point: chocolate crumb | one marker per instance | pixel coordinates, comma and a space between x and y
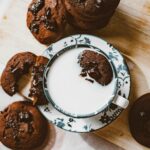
83, 73
90, 80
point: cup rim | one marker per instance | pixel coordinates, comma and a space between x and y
75, 115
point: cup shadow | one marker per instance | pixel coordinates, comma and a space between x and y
118, 130
139, 84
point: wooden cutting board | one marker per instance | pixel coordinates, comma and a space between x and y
129, 31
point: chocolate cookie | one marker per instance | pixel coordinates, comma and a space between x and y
17, 66
22, 126
92, 7
139, 120
87, 25
96, 66
36, 90
90, 12
46, 20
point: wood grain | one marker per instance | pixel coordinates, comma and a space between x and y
129, 31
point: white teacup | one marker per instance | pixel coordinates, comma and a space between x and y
71, 94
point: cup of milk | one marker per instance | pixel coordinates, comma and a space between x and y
72, 95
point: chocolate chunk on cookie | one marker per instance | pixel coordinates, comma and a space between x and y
46, 20
139, 120
22, 126
96, 66
36, 90
36, 6
17, 66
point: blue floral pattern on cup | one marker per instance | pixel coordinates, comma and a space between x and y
112, 111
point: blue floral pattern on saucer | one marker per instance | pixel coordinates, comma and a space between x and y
112, 111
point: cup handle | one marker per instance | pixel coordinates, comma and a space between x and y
121, 101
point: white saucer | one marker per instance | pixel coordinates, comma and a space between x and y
110, 113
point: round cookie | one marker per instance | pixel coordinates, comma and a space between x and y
90, 10
90, 14
18, 65
96, 66
46, 20
36, 90
139, 120
93, 7
22, 126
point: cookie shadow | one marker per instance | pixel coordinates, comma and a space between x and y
98, 143
50, 139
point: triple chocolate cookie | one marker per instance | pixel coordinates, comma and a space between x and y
90, 14
95, 66
36, 90
139, 120
22, 126
46, 20
17, 66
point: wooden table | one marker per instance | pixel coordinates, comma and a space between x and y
129, 31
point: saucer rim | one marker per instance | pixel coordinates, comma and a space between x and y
119, 110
